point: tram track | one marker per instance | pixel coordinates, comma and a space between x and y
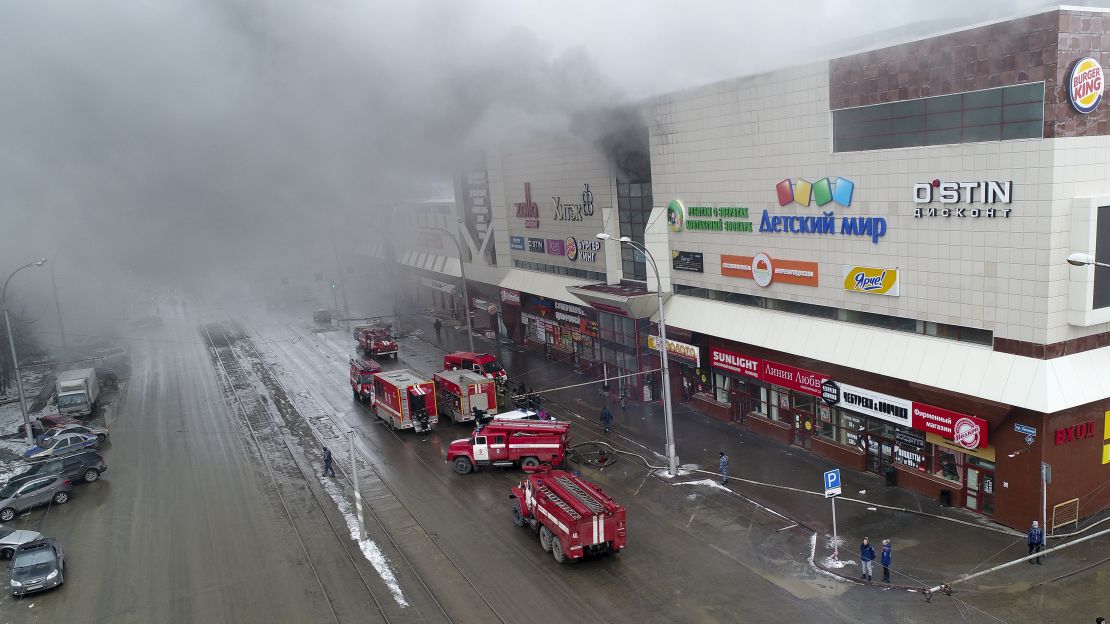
265, 433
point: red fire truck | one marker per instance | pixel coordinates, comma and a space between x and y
362, 377
460, 392
574, 517
376, 342
482, 363
404, 400
508, 443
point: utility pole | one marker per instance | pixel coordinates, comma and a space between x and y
358, 492
15, 358
58, 309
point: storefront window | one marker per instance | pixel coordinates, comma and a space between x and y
723, 384
948, 464
910, 449
780, 400
825, 422
759, 399
851, 430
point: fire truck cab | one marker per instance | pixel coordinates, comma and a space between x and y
509, 443
404, 400
460, 392
482, 363
573, 517
376, 342
362, 378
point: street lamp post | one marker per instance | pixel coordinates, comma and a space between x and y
1083, 259
58, 309
466, 293
11, 343
672, 461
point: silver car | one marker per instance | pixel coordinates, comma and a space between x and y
11, 539
29, 494
101, 433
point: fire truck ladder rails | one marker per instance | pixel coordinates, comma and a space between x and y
560, 502
581, 494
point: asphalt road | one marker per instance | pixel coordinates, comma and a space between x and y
191, 524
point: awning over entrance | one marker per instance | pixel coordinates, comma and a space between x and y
628, 299
482, 304
438, 285
542, 284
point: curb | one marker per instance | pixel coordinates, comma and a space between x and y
863, 583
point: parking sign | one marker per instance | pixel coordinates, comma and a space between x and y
832, 483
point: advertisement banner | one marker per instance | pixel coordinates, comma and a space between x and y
874, 404
510, 297
687, 261
871, 280
678, 350
734, 362
763, 270
970, 432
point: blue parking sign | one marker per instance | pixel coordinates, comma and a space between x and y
832, 483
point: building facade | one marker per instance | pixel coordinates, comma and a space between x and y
867, 259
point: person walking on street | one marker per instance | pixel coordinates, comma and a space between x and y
328, 470
884, 558
724, 468
866, 556
606, 419
1036, 540
439, 328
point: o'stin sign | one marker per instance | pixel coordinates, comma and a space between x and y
1086, 84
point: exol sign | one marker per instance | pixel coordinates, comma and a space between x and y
574, 212
1086, 84
988, 192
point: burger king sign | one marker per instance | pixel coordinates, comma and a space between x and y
1086, 84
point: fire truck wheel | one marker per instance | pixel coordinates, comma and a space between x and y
463, 465
545, 538
557, 550
518, 513
529, 462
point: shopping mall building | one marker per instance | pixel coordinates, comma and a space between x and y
864, 257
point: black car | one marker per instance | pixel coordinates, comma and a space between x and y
36, 566
85, 466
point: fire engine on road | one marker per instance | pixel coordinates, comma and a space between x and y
404, 400
362, 377
508, 443
376, 342
574, 517
482, 363
460, 392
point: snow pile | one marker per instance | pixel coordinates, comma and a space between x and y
369, 549
706, 482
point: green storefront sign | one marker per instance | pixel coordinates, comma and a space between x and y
718, 219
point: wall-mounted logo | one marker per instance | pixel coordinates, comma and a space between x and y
985, 192
763, 270
675, 217
555, 247
528, 209
871, 280
585, 250
1086, 83
692, 261
565, 211
537, 245
516, 242
820, 192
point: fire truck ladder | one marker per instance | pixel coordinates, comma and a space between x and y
560, 502
581, 495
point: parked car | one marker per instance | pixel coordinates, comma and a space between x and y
101, 433
86, 466
63, 444
322, 316
46, 423
36, 566
30, 494
11, 539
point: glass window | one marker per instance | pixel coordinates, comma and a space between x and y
947, 464
722, 383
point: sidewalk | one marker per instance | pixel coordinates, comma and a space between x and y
932, 544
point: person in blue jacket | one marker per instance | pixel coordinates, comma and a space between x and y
884, 558
724, 468
866, 556
1036, 540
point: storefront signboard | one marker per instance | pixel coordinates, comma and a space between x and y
1086, 82
556, 247
820, 193
569, 211
537, 245
678, 350
874, 404
871, 280
516, 242
708, 218
692, 261
763, 270
510, 297
486, 306
968, 432
582, 249
981, 197
1075, 432
783, 375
